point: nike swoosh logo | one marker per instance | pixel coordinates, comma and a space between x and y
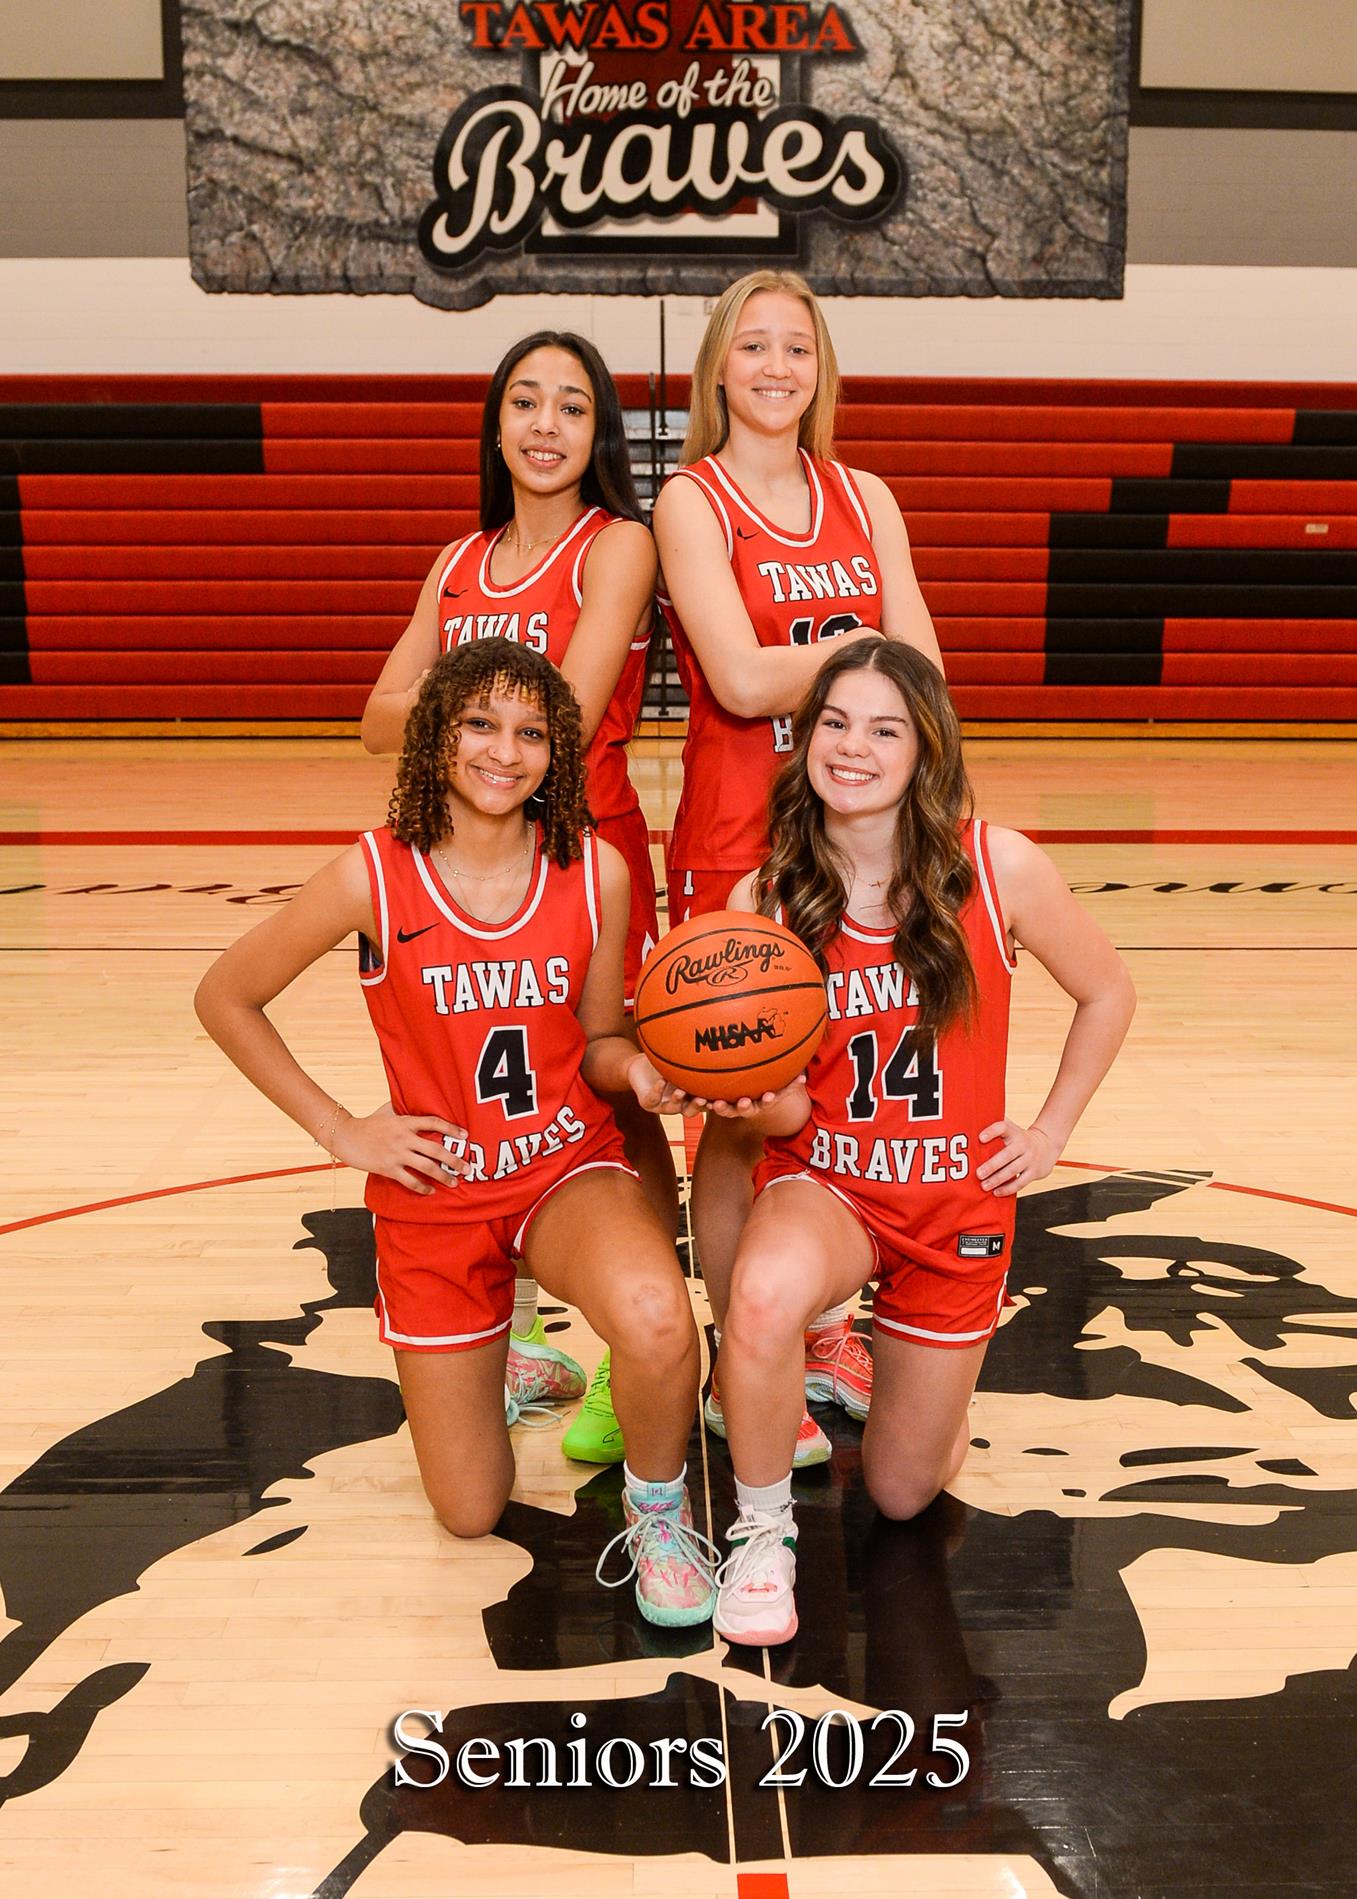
453, 593
408, 936
745, 534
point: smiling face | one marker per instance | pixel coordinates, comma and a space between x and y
503, 752
546, 422
864, 746
770, 371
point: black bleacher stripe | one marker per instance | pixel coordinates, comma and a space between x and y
1133, 495
1115, 599
1325, 425
10, 500
1263, 461
1108, 530
12, 602
13, 634
1104, 636
132, 421
1104, 669
11, 528
132, 458
1208, 566
14, 668
11, 563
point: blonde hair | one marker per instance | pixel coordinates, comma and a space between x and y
708, 419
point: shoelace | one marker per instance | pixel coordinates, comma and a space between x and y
850, 1346
680, 1539
766, 1535
599, 1395
536, 1417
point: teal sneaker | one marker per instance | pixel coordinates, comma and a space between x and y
673, 1563
594, 1435
540, 1373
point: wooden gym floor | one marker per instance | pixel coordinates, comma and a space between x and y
221, 1583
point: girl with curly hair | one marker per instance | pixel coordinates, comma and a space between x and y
491, 923
897, 1160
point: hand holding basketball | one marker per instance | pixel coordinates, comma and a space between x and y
730, 1008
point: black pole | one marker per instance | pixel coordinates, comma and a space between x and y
654, 444
664, 382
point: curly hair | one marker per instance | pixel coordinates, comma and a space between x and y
933, 876
418, 812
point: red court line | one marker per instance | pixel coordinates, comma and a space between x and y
690, 1145
163, 1193
1221, 1186
762, 1886
1064, 836
655, 836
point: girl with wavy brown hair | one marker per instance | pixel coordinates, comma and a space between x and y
897, 1160
491, 924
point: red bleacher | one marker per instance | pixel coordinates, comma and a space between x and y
249, 548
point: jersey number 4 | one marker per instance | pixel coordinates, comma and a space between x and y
911, 1074
503, 1073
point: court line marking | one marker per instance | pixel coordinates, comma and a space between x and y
1041, 834
322, 1167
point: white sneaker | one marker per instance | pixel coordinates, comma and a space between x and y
756, 1604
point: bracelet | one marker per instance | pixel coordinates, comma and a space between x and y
326, 1138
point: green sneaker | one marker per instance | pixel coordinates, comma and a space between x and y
594, 1435
539, 1372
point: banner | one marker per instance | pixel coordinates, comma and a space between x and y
458, 151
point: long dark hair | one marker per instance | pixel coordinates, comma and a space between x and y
932, 877
608, 479
418, 812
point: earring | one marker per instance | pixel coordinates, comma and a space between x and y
497, 444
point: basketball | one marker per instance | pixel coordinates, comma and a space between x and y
730, 1004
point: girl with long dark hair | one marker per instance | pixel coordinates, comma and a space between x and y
491, 924
564, 564
897, 1160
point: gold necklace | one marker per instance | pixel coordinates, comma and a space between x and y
526, 547
479, 877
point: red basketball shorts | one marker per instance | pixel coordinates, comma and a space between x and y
695, 893
630, 834
444, 1287
921, 1297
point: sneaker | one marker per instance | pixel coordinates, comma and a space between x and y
839, 1369
812, 1446
756, 1605
674, 1564
535, 1417
538, 1373
594, 1435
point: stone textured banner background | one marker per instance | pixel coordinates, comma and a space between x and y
312, 126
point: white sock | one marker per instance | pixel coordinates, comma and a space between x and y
770, 1500
525, 1307
643, 1490
833, 1316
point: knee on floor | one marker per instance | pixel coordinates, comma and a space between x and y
469, 1516
902, 1493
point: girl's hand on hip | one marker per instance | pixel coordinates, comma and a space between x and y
1027, 1154
417, 1150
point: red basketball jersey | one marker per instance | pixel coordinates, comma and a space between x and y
541, 611
477, 1026
895, 1124
796, 588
